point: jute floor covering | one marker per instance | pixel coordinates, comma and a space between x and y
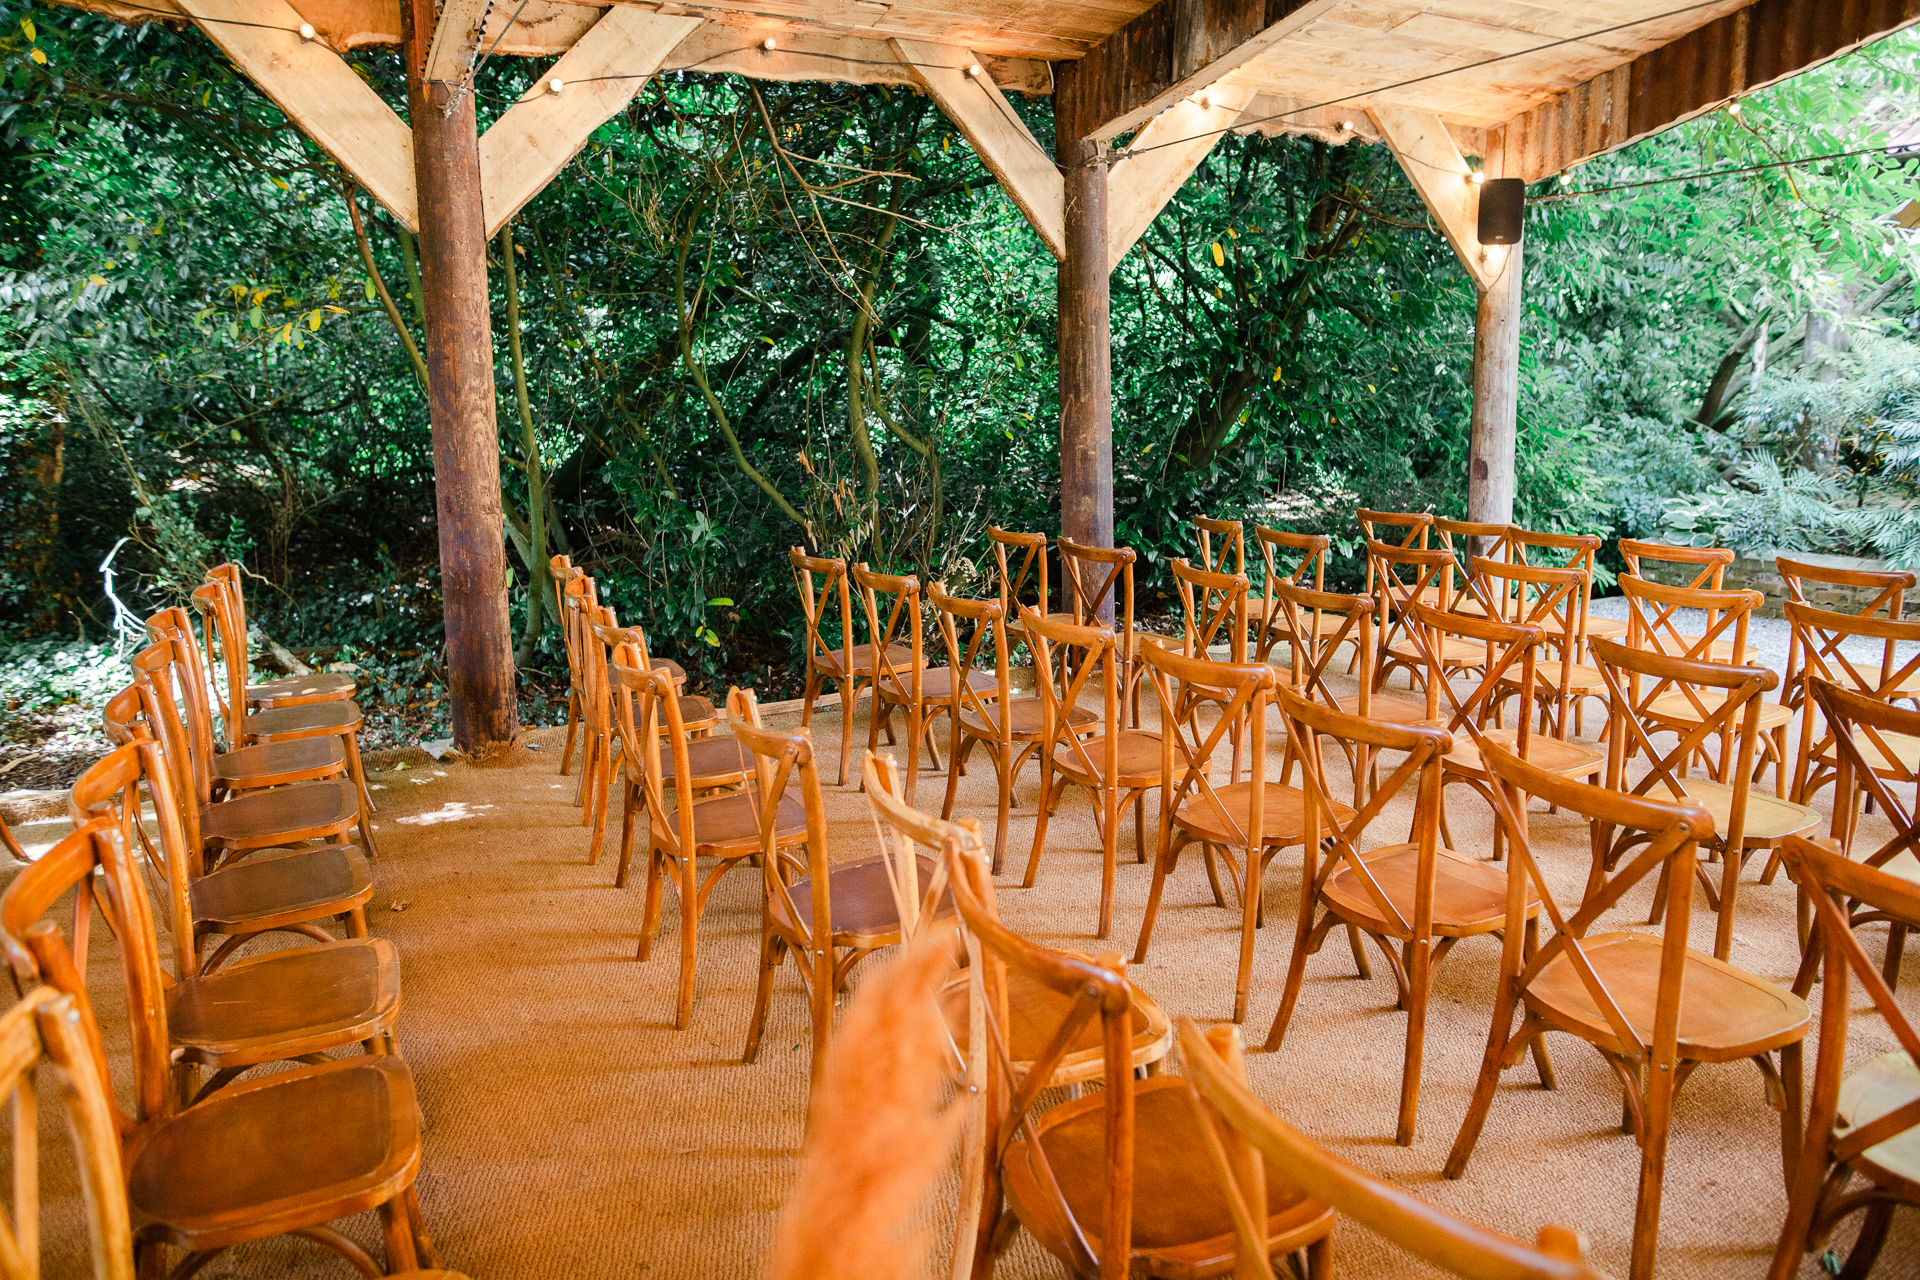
573, 1132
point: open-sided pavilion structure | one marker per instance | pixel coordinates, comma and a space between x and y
1142, 90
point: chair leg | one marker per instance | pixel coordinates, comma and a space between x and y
1163, 861
573, 725
689, 928
1249, 913
1040, 825
399, 1235
366, 797
916, 729
1732, 859
1109, 856
429, 1253
650, 914
1419, 972
631, 802
589, 753
1003, 776
603, 800
849, 697
1498, 1038
1658, 1102
771, 948
1896, 945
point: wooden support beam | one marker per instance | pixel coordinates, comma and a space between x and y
999, 136
456, 40
528, 146
1746, 50
1171, 52
805, 56
1085, 342
1146, 175
466, 441
320, 93
1441, 175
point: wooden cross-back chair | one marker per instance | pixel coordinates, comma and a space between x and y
1009, 730
1567, 551
1400, 577
242, 824
1117, 766
1864, 1124
1555, 600
1244, 824
1654, 613
1223, 544
1304, 613
1213, 613
1653, 1008
1412, 894
1708, 565
1727, 703
826, 599
1024, 582
1299, 559
1099, 584
923, 693
286, 691
44, 1030
829, 915
276, 722
1873, 746
283, 890
607, 736
1888, 590
718, 760
277, 1007
1825, 654
1109, 1183
1214, 1070
563, 574
579, 601
321, 1142
1464, 540
680, 829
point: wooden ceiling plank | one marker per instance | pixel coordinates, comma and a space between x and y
320, 93
998, 135
528, 146
1440, 174
1147, 174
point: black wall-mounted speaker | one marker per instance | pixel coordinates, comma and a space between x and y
1503, 210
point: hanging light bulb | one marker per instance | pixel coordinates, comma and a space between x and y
306, 31
1566, 179
1733, 108
976, 71
556, 84
768, 44
1476, 177
1206, 101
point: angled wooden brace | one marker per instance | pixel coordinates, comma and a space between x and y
320, 93
1443, 178
1148, 173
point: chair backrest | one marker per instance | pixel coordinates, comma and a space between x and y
1654, 617
1314, 640
1465, 539
1507, 644
1087, 989
903, 831
1213, 610
822, 583
1662, 838
901, 627
1399, 575
158, 673
1243, 692
1214, 1066
1823, 635
1888, 599
1021, 558
1867, 737
1555, 600
1558, 551
1100, 580
1223, 544
95, 855
1090, 660
658, 726
987, 632
224, 630
46, 1029
1340, 842
1636, 679
564, 576
1840, 887
1709, 563
193, 679
1295, 557
1416, 524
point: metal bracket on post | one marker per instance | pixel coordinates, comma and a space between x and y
454, 55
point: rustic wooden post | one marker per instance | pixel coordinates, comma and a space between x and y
1496, 394
466, 443
1085, 335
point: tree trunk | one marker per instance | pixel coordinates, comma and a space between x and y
466, 444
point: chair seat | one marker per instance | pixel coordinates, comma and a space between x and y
1469, 897
729, 825
1607, 628
1139, 759
1904, 749
1454, 652
673, 669
1573, 758
1722, 650
1678, 708
1884, 1084
1024, 717
936, 686
272, 763
285, 1003
1384, 704
1224, 816
315, 1139
696, 712
1065, 619
714, 760
900, 655
1035, 1012
864, 912
284, 815
1181, 1224
1903, 865
1329, 621
1726, 1013
307, 720
1553, 672
289, 691
252, 895
1768, 817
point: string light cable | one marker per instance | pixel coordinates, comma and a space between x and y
1898, 153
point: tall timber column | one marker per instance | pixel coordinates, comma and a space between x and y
466, 443
1086, 332
1496, 394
